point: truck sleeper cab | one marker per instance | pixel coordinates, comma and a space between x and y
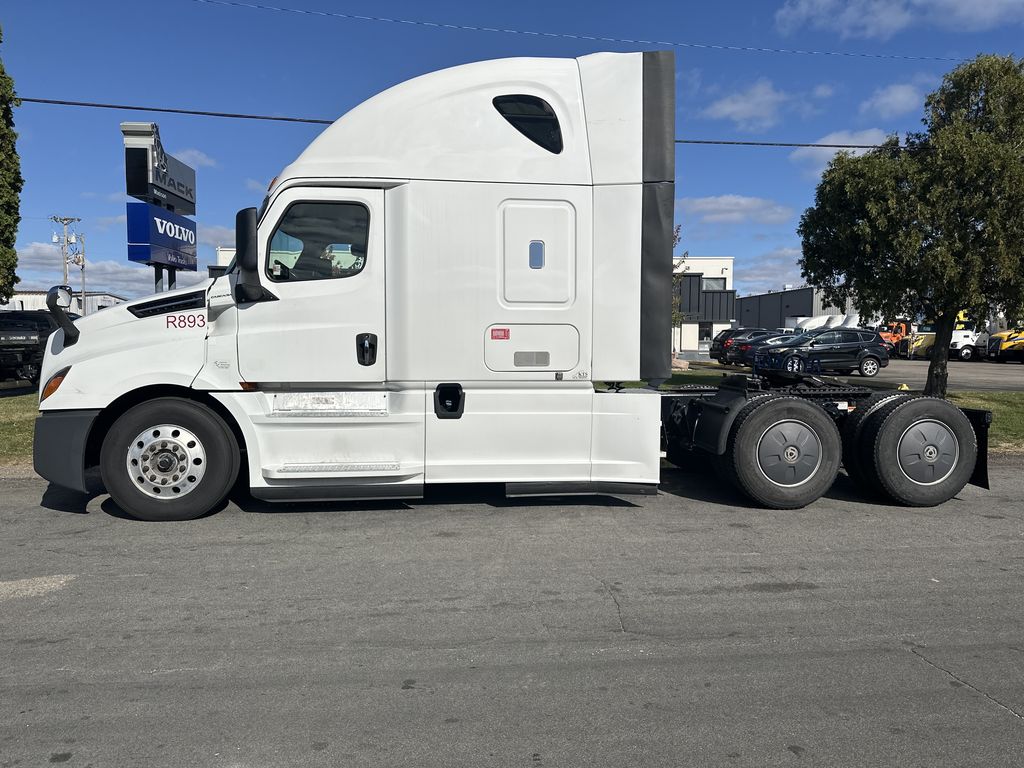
432, 293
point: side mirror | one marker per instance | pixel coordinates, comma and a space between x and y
58, 296
58, 299
245, 239
248, 288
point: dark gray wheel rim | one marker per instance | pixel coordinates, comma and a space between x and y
928, 452
869, 367
789, 453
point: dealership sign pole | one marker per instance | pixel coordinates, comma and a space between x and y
158, 232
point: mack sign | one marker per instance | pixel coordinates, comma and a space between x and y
157, 236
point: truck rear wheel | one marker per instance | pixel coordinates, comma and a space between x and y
854, 458
169, 459
923, 450
783, 452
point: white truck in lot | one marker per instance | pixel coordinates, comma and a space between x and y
434, 292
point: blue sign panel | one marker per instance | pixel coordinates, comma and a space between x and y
157, 236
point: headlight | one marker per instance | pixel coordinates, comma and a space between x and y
54, 382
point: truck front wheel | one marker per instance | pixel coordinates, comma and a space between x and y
783, 452
169, 459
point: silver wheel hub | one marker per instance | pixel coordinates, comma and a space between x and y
789, 453
166, 461
928, 452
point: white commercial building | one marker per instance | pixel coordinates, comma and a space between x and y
94, 301
706, 301
224, 255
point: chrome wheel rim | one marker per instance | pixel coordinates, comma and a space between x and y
870, 367
789, 453
166, 462
927, 452
794, 365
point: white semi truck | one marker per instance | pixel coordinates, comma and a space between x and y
446, 287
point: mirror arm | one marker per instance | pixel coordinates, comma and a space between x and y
71, 333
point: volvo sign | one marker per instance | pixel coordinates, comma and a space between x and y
154, 176
160, 238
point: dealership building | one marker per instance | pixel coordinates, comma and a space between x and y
781, 309
706, 299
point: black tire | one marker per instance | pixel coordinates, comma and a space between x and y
808, 445
966, 353
869, 367
922, 450
209, 469
854, 455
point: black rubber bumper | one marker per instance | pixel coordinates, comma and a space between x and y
58, 451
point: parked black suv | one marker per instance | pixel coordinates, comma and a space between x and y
842, 350
23, 335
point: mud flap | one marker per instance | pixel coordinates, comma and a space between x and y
980, 421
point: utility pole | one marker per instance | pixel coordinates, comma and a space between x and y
78, 257
64, 220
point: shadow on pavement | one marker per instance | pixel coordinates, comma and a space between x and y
694, 482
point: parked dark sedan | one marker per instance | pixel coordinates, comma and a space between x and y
839, 350
772, 340
725, 340
742, 343
717, 349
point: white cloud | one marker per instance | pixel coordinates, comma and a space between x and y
893, 100
814, 159
881, 19
754, 109
39, 268
823, 91
39, 256
256, 186
106, 222
195, 157
768, 272
972, 15
215, 235
734, 209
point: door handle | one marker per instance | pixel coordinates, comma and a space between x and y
366, 348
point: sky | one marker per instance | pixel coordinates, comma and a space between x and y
743, 202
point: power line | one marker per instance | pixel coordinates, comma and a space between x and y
317, 121
569, 36
136, 108
776, 144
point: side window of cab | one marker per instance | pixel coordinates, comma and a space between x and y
319, 241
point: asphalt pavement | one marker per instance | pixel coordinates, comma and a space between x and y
971, 376
683, 629
963, 377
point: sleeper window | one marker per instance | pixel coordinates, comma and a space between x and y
319, 241
534, 118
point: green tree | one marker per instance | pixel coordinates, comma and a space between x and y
677, 281
10, 185
936, 226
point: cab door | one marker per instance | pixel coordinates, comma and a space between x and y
321, 257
